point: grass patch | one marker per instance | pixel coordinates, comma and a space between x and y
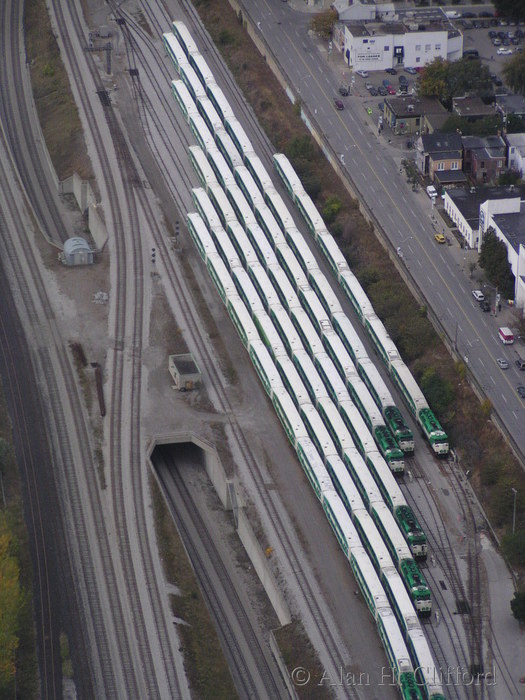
297, 652
16, 612
476, 439
204, 661
57, 111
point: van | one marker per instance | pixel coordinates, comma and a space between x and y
506, 336
452, 14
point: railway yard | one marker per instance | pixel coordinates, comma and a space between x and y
371, 531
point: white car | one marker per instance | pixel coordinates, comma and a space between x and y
504, 51
502, 363
478, 295
432, 192
362, 73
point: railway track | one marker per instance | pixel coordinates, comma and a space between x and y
18, 124
218, 388
252, 677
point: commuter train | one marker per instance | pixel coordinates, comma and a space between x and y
377, 332
244, 309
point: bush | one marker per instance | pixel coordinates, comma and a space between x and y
513, 547
517, 605
438, 391
331, 209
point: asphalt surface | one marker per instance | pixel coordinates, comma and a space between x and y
373, 164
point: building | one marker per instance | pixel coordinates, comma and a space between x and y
471, 108
76, 252
510, 228
439, 153
511, 104
413, 38
471, 209
404, 114
515, 152
484, 157
185, 372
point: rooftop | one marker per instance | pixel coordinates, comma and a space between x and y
469, 202
513, 227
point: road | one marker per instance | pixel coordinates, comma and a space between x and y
373, 167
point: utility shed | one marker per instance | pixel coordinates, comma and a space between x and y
76, 252
184, 371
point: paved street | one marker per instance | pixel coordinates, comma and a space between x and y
373, 164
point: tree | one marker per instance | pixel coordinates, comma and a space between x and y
487, 126
509, 177
494, 260
323, 23
11, 601
445, 80
433, 81
514, 73
517, 605
515, 9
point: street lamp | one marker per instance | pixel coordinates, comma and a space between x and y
514, 510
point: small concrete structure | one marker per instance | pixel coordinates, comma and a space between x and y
76, 252
184, 371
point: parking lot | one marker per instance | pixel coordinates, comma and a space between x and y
373, 86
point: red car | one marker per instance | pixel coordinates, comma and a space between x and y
391, 90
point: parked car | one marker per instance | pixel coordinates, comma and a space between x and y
403, 80
432, 192
484, 305
391, 90
368, 85
502, 363
362, 73
468, 14
382, 90
391, 71
344, 91
520, 364
411, 71
504, 51
521, 391
338, 104
478, 295
440, 238
381, 106
496, 41
373, 91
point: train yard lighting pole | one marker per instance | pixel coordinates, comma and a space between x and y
514, 491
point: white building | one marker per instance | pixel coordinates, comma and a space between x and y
414, 39
499, 208
516, 152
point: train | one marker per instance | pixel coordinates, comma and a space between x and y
262, 340
375, 329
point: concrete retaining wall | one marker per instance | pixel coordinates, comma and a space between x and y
80, 189
282, 667
223, 487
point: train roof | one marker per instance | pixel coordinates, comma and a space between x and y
357, 292
216, 157
270, 222
201, 199
345, 327
364, 476
301, 248
331, 250
244, 209
314, 420
403, 602
305, 203
302, 320
280, 207
346, 482
381, 334
291, 263
404, 374
282, 163
377, 381
425, 661
324, 289
202, 68
345, 522
392, 528
362, 562
327, 368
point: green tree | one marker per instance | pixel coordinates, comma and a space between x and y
439, 391
331, 209
509, 177
517, 605
487, 126
433, 81
494, 260
514, 9
323, 23
11, 603
513, 547
514, 73
445, 80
